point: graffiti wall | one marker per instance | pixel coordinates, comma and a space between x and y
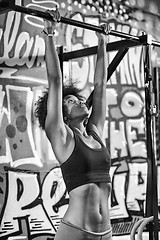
33, 196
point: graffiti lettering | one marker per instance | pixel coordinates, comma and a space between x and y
36, 208
20, 49
138, 181
118, 147
131, 104
127, 126
136, 138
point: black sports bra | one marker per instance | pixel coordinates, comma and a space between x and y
86, 165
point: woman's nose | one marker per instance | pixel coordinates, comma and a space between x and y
81, 102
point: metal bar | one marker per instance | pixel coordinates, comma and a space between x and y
3, 7
73, 22
114, 46
151, 192
115, 62
70, 21
149, 188
135, 227
156, 79
143, 225
85, 52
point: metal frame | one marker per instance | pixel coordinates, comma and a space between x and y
122, 46
151, 114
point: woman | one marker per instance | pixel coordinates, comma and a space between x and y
75, 136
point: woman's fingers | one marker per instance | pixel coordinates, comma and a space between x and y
106, 28
51, 25
55, 15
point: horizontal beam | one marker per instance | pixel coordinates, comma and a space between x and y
3, 7
113, 46
73, 22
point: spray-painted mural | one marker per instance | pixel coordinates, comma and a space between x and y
33, 196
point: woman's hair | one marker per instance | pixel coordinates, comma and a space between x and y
41, 104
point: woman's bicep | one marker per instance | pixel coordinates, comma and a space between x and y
98, 113
54, 105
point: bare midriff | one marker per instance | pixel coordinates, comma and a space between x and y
88, 207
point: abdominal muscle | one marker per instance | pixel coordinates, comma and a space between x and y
88, 207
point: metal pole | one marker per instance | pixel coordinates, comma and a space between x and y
151, 193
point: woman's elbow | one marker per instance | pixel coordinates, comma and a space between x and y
56, 79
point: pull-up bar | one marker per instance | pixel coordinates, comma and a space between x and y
72, 22
8, 5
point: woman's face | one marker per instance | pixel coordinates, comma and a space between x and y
76, 107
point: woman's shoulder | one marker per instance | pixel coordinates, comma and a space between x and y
92, 129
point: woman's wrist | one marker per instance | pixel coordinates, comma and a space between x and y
102, 42
49, 33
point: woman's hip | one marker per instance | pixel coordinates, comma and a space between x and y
70, 231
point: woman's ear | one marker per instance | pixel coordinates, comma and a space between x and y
65, 119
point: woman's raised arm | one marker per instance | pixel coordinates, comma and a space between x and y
54, 118
98, 114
